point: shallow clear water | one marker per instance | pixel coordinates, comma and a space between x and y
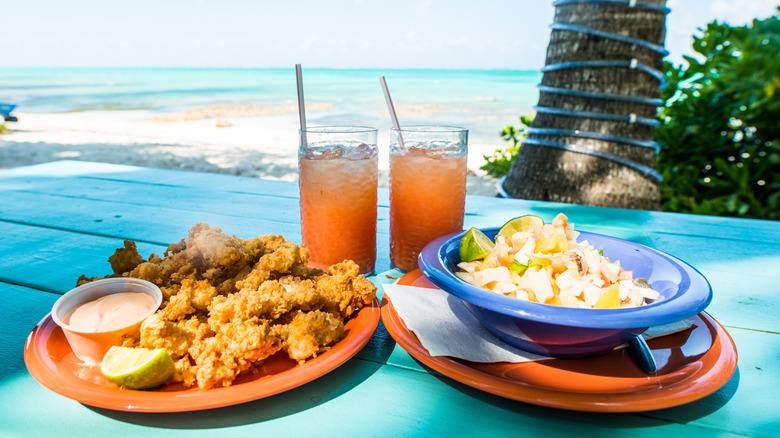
484, 101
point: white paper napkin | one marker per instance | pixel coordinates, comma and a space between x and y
446, 327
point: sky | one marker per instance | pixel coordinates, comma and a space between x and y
482, 34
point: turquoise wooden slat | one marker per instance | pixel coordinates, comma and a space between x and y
357, 399
185, 198
52, 260
748, 403
124, 219
497, 211
22, 308
118, 172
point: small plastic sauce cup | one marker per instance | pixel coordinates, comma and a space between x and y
91, 346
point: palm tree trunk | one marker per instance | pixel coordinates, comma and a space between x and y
592, 139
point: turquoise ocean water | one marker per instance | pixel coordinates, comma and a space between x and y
482, 100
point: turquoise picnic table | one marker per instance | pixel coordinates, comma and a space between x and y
62, 219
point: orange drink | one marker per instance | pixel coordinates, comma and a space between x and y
427, 188
338, 183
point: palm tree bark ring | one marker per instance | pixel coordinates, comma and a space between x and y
594, 95
613, 36
631, 118
632, 64
597, 135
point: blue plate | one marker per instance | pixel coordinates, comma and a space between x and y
567, 332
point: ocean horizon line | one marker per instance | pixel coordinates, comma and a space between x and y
279, 68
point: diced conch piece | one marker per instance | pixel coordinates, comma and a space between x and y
503, 287
649, 294
540, 285
520, 239
521, 258
521, 294
609, 271
486, 276
591, 294
465, 276
469, 266
610, 299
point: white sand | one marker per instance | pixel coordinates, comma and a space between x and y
230, 140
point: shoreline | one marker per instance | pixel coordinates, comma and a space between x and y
235, 140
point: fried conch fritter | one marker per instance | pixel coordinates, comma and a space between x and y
229, 303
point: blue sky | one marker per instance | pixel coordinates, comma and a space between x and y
509, 34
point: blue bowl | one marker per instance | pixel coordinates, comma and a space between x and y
568, 332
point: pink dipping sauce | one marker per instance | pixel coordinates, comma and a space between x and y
111, 312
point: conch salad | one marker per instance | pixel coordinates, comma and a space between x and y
546, 264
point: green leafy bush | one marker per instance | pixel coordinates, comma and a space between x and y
720, 132
498, 164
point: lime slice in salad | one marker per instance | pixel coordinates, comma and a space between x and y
137, 368
475, 245
520, 224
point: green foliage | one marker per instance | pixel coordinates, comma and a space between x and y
3, 128
720, 132
499, 163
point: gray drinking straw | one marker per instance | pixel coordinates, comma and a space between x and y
301, 110
391, 108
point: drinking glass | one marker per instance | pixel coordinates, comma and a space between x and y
427, 188
337, 167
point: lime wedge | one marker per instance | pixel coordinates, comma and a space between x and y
520, 224
475, 245
137, 368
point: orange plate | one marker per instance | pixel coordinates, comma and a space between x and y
691, 365
52, 363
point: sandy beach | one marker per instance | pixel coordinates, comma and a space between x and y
234, 140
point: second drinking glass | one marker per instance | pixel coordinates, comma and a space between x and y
337, 168
427, 188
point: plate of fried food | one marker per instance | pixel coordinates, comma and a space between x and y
241, 319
